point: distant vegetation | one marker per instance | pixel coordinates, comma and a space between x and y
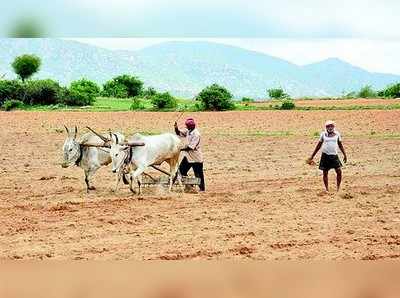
367, 92
215, 98
26, 65
163, 101
26, 92
123, 86
277, 93
391, 91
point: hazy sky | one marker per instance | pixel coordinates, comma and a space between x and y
211, 18
373, 55
363, 32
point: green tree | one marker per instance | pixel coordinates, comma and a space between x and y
114, 89
215, 98
81, 93
367, 92
123, 86
391, 91
149, 92
277, 93
10, 90
163, 101
26, 65
41, 92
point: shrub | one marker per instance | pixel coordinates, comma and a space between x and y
163, 101
149, 92
82, 93
114, 89
391, 91
137, 104
10, 90
11, 104
63, 95
215, 98
287, 104
247, 99
123, 86
277, 93
41, 92
26, 65
367, 92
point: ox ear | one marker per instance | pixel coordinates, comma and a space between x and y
66, 128
75, 132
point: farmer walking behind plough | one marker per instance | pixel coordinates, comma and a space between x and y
193, 157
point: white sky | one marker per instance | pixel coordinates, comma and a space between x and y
376, 55
210, 18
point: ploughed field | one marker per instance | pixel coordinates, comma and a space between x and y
262, 200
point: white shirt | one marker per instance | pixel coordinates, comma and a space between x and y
330, 144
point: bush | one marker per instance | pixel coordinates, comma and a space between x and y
41, 92
137, 104
11, 104
247, 99
215, 98
367, 92
149, 92
114, 89
10, 90
391, 91
287, 104
26, 65
163, 101
123, 86
63, 95
81, 93
277, 93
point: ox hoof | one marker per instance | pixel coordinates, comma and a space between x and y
91, 188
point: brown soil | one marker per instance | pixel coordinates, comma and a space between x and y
262, 200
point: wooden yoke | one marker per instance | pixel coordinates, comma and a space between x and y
134, 144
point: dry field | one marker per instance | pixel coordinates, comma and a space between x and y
262, 200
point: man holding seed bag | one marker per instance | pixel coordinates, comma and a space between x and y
330, 140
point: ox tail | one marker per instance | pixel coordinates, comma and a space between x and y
125, 179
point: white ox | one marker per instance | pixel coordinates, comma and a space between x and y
134, 159
89, 158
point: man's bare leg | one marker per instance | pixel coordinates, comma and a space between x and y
325, 178
338, 178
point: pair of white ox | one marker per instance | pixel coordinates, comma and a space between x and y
129, 159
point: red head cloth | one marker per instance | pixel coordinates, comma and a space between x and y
190, 124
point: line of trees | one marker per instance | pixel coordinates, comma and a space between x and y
27, 91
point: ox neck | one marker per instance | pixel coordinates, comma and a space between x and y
78, 161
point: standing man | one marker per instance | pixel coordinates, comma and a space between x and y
193, 157
330, 140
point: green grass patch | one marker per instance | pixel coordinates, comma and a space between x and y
105, 104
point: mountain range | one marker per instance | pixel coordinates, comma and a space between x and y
184, 68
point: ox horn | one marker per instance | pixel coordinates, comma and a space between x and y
99, 135
116, 138
76, 132
66, 128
